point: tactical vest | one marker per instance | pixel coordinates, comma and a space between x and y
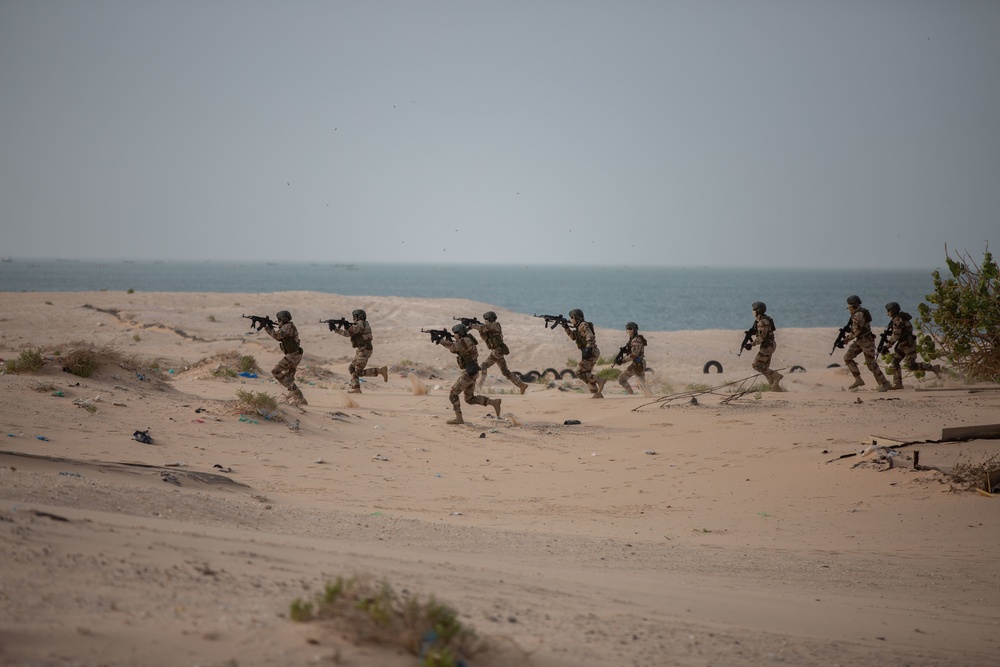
363, 339
290, 346
771, 327
467, 355
906, 334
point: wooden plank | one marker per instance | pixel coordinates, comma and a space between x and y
886, 440
984, 431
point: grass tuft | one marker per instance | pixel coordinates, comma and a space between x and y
28, 361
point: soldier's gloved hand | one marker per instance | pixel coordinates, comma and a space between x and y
748, 346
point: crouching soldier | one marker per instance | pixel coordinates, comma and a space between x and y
287, 336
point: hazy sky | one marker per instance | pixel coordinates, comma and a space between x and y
847, 133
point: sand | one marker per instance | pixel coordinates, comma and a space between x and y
752, 531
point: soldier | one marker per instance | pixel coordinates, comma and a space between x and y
765, 339
633, 352
464, 346
905, 346
287, 336
583, 333
360, 334
493, 335
862, 340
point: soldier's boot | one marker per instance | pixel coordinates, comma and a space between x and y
897, 379
521, 386
298, 398
384, 372
896, 385
600, 388
776, 377
858, 382
495, 404
354, 390
628, 390
883, 384
458, 417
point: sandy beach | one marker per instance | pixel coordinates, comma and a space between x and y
754, 530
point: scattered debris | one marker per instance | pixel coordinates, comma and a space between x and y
221, 469
571, 422
380, 457
143, 436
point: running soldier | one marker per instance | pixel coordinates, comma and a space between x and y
360, 334
582, 332
492, 333
765, 339
287, 336
862, 340
634, 352
905, 344
464, 345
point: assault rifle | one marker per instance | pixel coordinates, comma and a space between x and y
467, 321
840, 337
554, 320
258, 322
747, 339
622, 353
437, 335
882, 339
336, 324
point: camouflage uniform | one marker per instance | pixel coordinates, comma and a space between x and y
287, 336
862, 340
360, 334
905, 350
465, 348
765, 339
582, 332
637, 369
492, 334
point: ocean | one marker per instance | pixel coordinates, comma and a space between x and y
658, 299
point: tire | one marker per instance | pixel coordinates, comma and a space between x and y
710, 365
834, 366
796, 369
567, 374
530, 376
550, 371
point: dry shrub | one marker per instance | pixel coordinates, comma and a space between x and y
970, 475
83, 359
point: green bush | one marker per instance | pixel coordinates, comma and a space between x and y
427, 628
28, 361
609, 373
961, 319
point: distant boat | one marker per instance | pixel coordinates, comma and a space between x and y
6, 259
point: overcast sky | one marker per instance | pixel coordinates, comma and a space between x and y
848, 133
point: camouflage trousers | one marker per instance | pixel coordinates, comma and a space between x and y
497, 357
864, 345
284, 370
465, 386
636, 369
762, 362
357, 368
908, 354
583, 370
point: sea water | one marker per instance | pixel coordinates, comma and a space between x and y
657, 298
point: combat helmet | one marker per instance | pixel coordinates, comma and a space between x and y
759, 307
284, 316
490, 316
461, 329
576, 314
854, 300
632, 326
892, 308
359, 314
